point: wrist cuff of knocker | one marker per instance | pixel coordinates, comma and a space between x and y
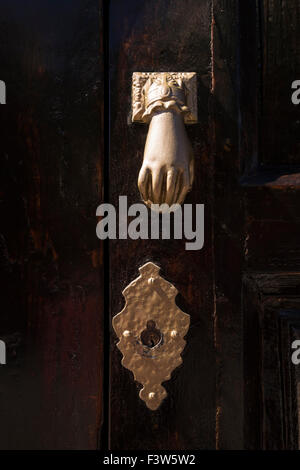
164, 106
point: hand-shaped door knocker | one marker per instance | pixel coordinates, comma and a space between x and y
166, 101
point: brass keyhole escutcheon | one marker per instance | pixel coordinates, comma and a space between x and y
151, 336
151, 330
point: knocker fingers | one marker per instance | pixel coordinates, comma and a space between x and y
143, 183
171, 180
157, 182
158, 187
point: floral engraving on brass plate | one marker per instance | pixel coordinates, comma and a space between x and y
151, 330
143, 105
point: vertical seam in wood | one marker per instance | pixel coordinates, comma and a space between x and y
213, 133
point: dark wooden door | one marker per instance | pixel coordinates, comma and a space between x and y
67, 145
51, 261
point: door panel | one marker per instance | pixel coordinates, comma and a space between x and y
280, 23
271, 307
51, 261
270, 188
141, 40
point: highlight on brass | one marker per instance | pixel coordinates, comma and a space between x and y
151, 330
166, 101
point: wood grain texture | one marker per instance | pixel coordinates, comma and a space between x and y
227, 226
280, 33
272, 320
297, 401
270, 197
162, 36
253, 226
51, 184
290, 331
235, 388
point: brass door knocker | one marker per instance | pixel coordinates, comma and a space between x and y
166, 101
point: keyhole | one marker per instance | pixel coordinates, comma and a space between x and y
151, 336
